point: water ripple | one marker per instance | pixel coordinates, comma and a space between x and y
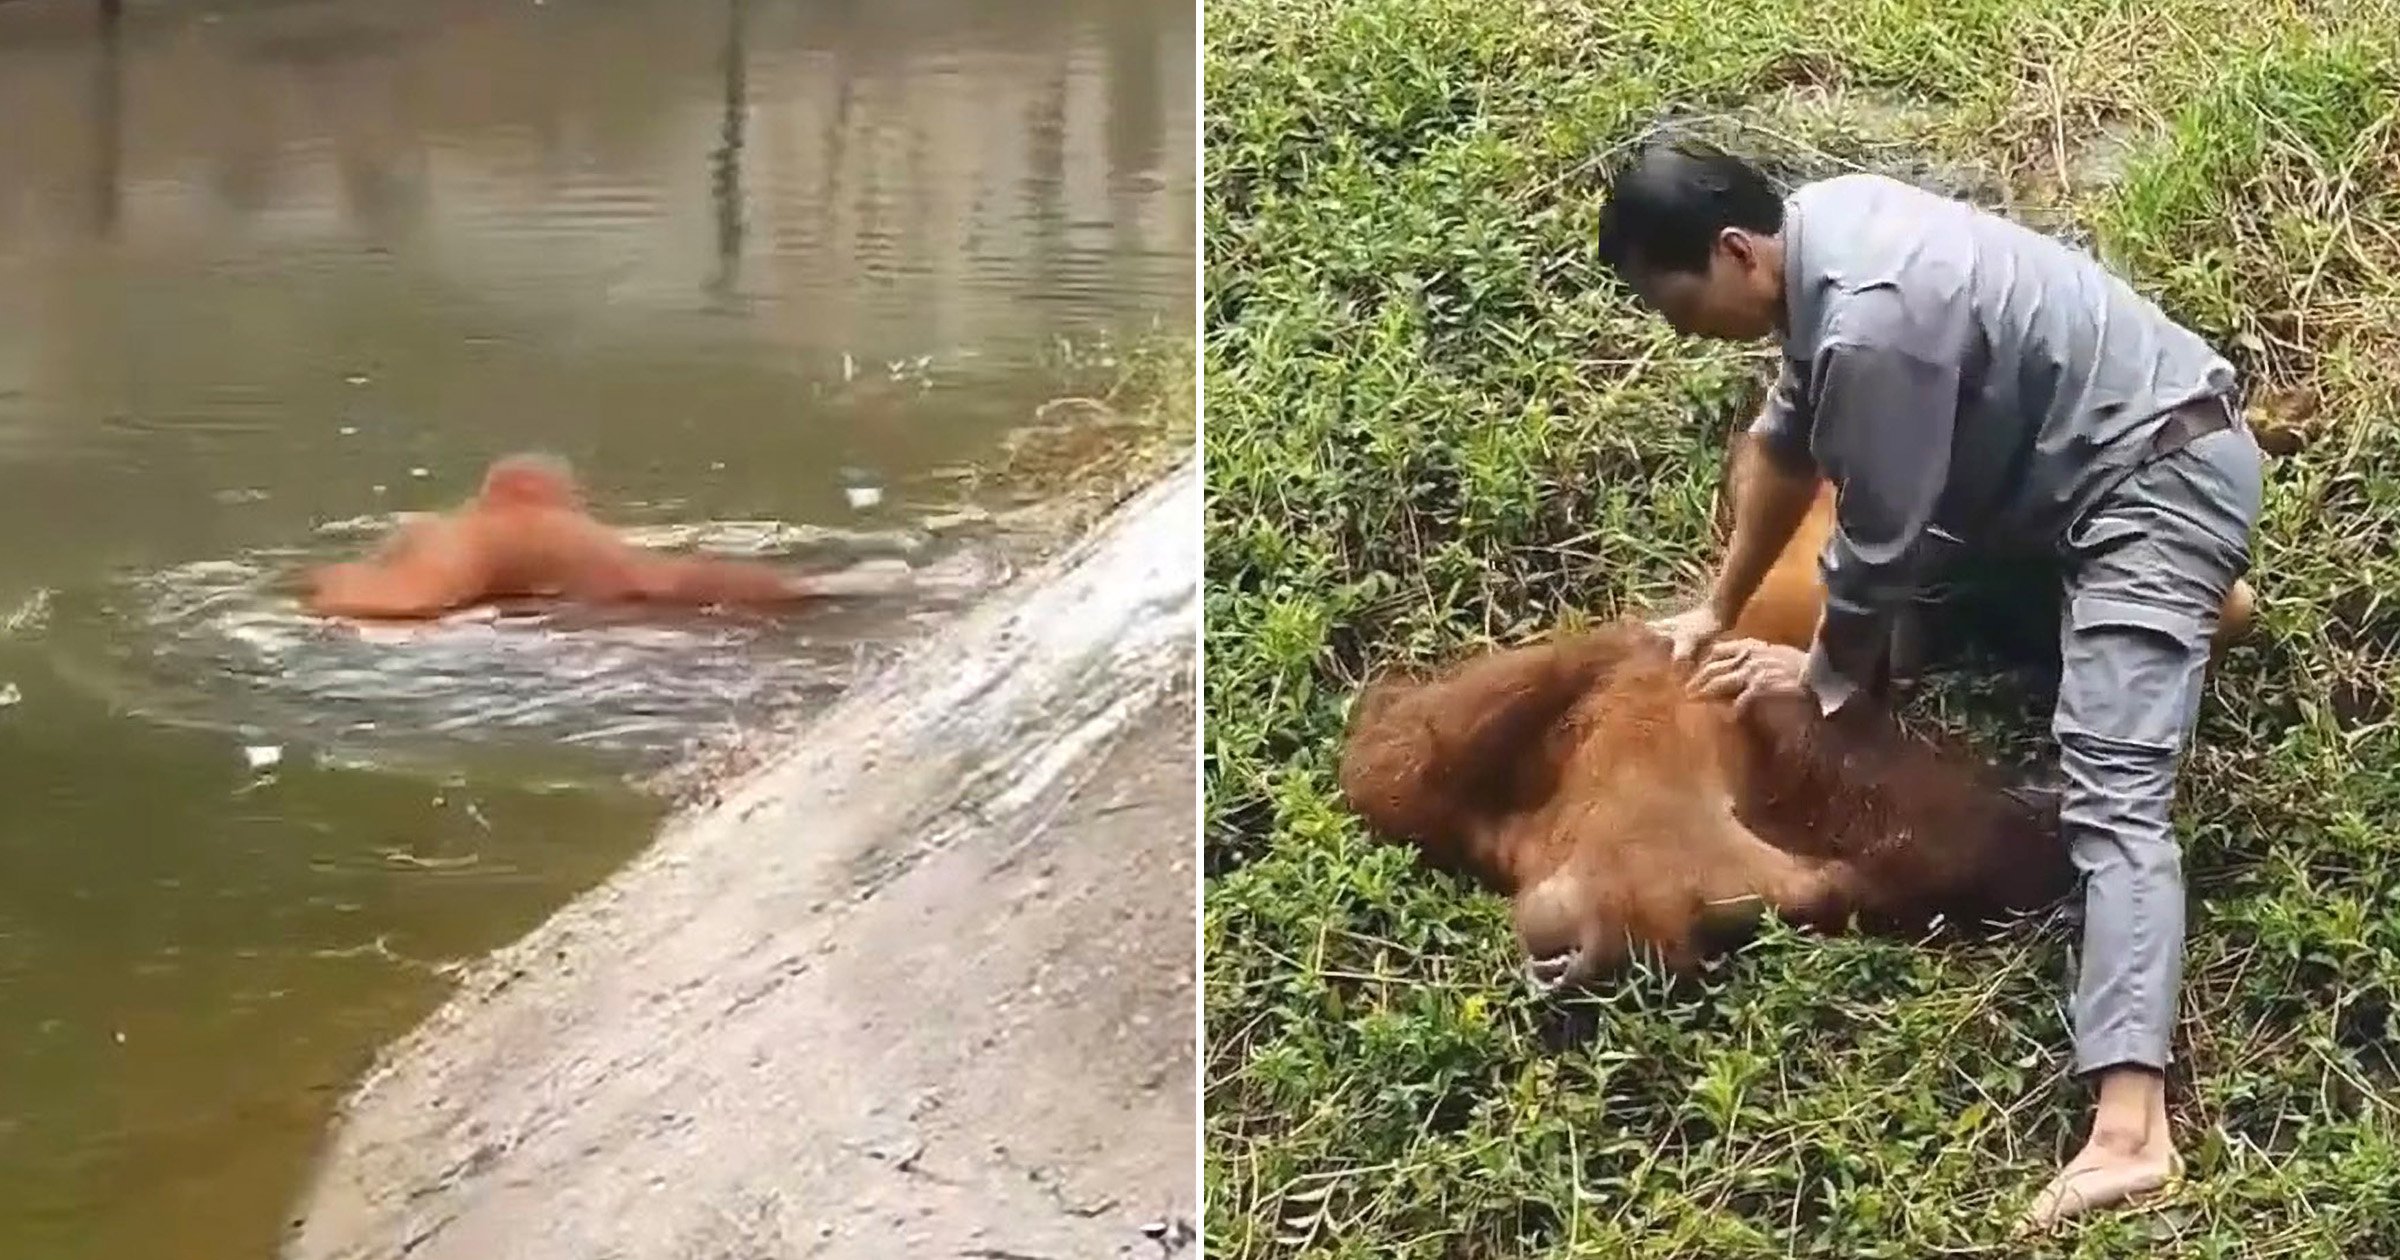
223, 644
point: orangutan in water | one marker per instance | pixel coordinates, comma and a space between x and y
526, 534
1579, 778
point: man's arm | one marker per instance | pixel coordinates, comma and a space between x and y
1774, 481
1894, 409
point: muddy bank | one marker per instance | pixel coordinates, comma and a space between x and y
922, 986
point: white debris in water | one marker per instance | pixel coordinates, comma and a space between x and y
849, 368
30, 615
863, 497
356, 378
262, 756
9, 695
357, 526
420, 472
960, 519
349, 430
218, 570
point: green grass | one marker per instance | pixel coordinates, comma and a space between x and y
1433, 423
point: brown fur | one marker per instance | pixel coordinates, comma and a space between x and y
1577, 778
526, 534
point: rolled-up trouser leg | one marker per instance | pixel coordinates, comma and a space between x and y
2147, 575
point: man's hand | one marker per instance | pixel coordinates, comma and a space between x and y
1747, 670
1690, 630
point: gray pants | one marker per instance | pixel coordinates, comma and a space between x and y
2147, 572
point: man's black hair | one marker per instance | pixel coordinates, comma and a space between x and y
1669, 200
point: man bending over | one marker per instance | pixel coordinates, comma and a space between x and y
1965, 382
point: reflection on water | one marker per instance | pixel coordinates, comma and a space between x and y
274, 269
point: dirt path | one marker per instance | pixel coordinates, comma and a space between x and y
923, 987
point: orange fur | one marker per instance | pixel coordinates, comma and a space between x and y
526, 534
1577, 778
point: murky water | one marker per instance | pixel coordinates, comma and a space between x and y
271, 272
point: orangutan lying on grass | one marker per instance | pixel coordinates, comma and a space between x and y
1579, 778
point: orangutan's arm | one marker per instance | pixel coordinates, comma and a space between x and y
700, 581
713, 580
422, 575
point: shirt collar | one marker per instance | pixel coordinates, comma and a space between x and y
1799, 298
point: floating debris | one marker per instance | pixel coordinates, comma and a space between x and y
30, 615
402, 857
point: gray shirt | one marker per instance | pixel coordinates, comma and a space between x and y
1962, 381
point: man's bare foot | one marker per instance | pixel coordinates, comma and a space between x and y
2103, 1175
2131, 1153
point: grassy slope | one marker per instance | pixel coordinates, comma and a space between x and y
1430, 423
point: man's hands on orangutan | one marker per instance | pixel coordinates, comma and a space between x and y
1691, 629
1748, 670
1742, 670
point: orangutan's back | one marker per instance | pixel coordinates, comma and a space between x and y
1579, 777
